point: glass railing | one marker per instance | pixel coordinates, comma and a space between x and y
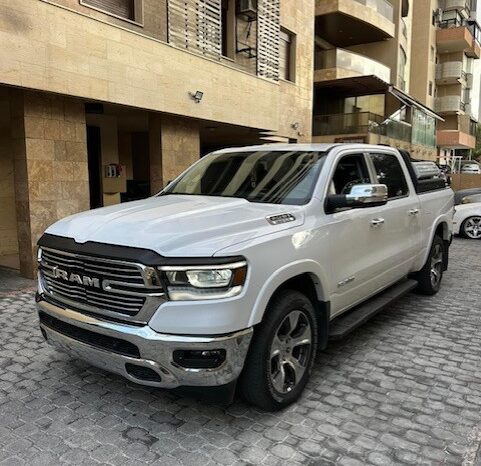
361, 123
361, 65
456, 18
383, 7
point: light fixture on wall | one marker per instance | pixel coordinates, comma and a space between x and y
295, 126
197, 96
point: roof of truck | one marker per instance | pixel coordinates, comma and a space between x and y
302, 147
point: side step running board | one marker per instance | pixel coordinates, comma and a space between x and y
346, 323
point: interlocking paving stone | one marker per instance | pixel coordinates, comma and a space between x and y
403, 389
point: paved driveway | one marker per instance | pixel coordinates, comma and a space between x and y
403, 389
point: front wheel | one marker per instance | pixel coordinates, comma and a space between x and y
282, 352
471, 227
430, 276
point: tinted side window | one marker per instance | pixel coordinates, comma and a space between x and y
390, 173
350, 170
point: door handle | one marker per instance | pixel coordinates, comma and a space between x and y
375, 222
413, 211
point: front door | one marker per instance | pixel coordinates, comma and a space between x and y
352, 238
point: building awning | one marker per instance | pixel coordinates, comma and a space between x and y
411, 102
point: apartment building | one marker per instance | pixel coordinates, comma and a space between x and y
362, 79
104, 101
444, 76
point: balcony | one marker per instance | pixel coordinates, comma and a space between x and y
450, 104
351, 22
450, 73
455, 139
339, 63
457, 34
361, 124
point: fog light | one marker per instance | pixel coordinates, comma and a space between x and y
199, 359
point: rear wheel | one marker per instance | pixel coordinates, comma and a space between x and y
471, 227
430, 276
282, 353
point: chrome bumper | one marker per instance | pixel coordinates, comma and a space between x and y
155, 349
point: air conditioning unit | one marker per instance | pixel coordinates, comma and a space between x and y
247, 8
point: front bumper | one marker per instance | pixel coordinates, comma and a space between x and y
154, 350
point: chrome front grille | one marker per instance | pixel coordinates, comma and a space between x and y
101, 285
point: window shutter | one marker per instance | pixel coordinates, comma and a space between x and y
196, 25
268, 31
122, 8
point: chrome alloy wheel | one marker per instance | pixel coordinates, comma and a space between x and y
472, 227
290, 351
436, 265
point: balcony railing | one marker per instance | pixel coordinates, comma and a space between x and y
361, 123
383, 7
358, 64
450, 70
449, 103
456, 18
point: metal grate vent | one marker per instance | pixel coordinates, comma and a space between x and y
268, 38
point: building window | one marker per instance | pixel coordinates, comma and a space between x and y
430, 88
130, 10
433, 54
287, 56
228, 28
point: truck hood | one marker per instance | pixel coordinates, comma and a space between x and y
176, 225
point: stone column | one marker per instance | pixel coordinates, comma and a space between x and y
180, 145
51, 165
174, 144
155, 154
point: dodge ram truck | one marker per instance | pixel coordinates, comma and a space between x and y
244, 266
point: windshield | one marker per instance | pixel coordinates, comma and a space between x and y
274, 177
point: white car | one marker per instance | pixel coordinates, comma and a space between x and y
473, 168
467, 218
244, 266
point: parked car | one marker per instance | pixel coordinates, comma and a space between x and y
244, 266
463, 196
473, 168
467, 217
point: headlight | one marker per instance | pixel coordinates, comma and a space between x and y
185, 283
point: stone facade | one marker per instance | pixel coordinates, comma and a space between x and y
51, 172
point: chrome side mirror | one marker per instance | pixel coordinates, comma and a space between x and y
360, 196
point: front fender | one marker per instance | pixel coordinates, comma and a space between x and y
281, 276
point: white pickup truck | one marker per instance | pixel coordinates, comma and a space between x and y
244, 266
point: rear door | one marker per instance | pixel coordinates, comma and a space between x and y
400, 218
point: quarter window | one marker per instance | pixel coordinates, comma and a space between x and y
389, 172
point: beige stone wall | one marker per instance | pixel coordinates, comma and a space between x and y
423, 66
180, 146
174, 145
61, 51
8, 222
51, 173
152, 23
295, 99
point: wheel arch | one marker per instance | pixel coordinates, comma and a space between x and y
306, 277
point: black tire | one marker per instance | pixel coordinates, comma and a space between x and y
428, 283
259, 379
473, 222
